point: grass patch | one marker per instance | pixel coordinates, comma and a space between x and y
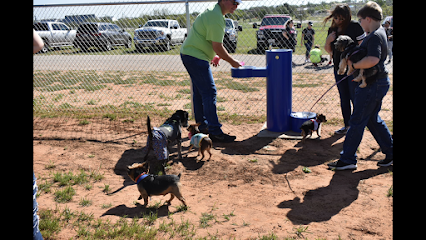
65, 195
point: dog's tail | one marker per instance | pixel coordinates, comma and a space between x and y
148, 123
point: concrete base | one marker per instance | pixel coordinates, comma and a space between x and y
264, 132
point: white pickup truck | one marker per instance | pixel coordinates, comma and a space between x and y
160, 33
54, 34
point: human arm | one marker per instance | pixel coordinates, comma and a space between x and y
365, 63
330, 38
285, 34
37, 42
223, 54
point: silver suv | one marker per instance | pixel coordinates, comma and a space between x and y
101, 35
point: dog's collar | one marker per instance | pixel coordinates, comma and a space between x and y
140, 177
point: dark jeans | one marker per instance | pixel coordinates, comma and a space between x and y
308, 45
204, 93
367, 104
346, 92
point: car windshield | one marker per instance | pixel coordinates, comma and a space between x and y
274, 21
163, 24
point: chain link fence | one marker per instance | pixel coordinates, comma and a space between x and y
102, 71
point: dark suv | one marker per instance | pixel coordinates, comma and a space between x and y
271, 31
101, 35
230, 39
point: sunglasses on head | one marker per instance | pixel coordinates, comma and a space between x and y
235, 3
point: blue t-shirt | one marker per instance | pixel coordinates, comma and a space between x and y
376, 45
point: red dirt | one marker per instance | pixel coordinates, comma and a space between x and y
245, 177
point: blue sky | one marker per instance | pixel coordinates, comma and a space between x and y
137, 10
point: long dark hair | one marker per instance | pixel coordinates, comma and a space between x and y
341, 10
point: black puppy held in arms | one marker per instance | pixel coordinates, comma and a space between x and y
153, 185
312, 125
160, 139
351, 51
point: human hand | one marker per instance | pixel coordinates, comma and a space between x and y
331, 37
215, 61
235, 63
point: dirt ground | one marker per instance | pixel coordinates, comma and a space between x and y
259, 180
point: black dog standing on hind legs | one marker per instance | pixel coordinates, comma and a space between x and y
312, 125
159, 140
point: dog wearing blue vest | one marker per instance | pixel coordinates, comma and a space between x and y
160, 139
199, 140
154, 185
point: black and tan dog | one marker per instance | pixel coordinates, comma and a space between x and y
312, 125
199, 140
351, 51
153, 185
160, 139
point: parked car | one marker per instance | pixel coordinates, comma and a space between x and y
101, 35
159, 33
54, 34
230, 39
271, 31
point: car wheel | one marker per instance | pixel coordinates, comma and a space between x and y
129, 43
166, 46
45, 48
107, 46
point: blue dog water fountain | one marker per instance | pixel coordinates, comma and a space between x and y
298, 118
278, 73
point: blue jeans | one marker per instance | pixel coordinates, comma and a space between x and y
346, 92
36, 230
308, 45
204, 93
367, 104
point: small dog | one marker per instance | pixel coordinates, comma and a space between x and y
351, 51
152, 185
199, 140
312, 125
159, 139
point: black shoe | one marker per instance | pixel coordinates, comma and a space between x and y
205, 131
224, 138
385, 163
339, 165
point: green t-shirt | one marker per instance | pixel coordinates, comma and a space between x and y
315, 55
208, 26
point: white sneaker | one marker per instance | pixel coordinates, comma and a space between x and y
343, 130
